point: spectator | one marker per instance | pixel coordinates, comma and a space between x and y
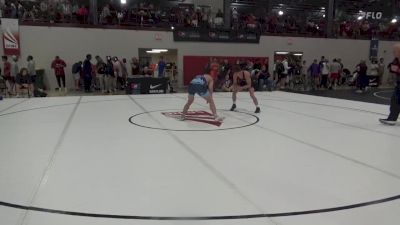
67, 10
105, 16
227, 84
373, 69
135, 66
335, 69
395, 99
58, 65
362, 76
304, 76
263, 78
87, 73
124, 69
110, 76
101, 70
24, 81
324, 64
77, 73
14, 67
10, 80
147, 72
214, 68
82, 15
31, 69
161, 67
14, 11
43, 7
219, 18
284, 68
315, 73
381, 70
118, 73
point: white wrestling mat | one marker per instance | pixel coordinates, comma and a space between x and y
125, 160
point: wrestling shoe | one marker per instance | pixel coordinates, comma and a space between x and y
233, 107
258, 110
388, 122
219, 118
181, 118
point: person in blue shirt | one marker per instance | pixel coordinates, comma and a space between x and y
161, 67
202, 85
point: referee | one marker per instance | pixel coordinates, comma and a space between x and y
395, 100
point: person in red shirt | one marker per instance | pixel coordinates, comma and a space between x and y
7, 75
58, 65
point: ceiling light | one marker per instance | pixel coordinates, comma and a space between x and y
160, 50
394, 20
281, 53
280, 12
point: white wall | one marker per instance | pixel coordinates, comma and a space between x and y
72, 44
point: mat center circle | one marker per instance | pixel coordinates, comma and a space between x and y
195, 120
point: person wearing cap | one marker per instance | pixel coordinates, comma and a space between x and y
395, 100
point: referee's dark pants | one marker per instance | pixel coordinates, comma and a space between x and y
395, 104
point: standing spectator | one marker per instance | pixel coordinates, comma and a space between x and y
7, 75
109, 76
335, 73
381, 70
395, 100
67, 10
14, 11
58, 65
362, 76
225, 69
214, 68
324, 73
118, 73
14, 69
283, 79
77, 73
31, 69
315, 74
135, 66
100, 74
124, 71
304, 76
82, 14
87, 73
219, 18
105, 16
161, 67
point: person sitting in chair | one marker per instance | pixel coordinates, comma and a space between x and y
24, 82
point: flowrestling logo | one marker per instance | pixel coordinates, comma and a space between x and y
197, 116
10, 41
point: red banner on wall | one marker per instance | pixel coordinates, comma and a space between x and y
10, 28
195, 65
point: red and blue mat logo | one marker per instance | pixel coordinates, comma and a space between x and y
197, 116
